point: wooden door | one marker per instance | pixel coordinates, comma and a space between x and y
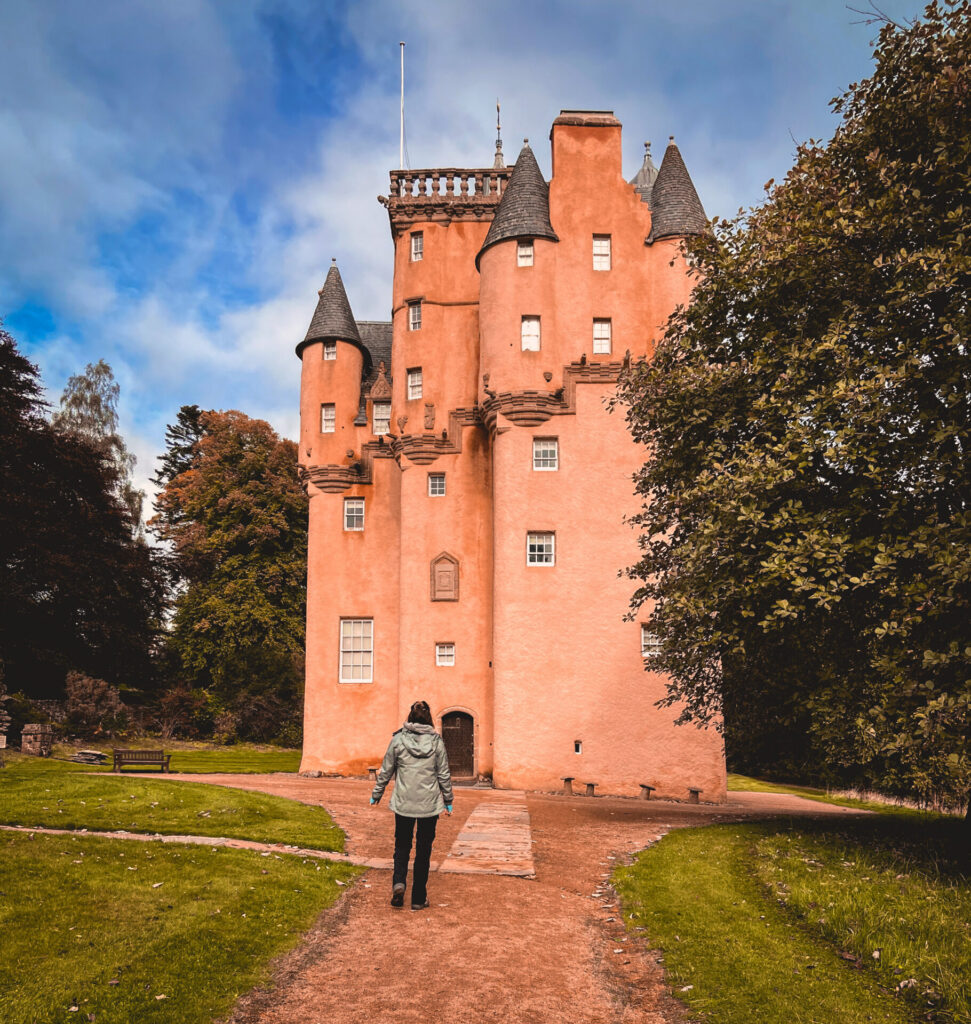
458, 732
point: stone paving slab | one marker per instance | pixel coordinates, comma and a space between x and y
496, 839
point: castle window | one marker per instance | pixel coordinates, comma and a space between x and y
328, 418
414, 382
357, 650
417, 246
524, 254
354, 514
601, 336
444, 654
414, 316
601, 252
381, 417
330, 350
436, 485
546, 454
530, 333
541, 549
578, 746
650, 643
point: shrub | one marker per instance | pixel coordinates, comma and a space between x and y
94, 706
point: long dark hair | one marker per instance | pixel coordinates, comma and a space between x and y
420, 713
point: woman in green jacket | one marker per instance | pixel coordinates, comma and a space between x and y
423, 789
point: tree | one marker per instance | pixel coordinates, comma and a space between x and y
89, 410
77, 589
807, 522
181, 439
236, 517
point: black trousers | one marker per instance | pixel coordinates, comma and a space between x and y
403, 830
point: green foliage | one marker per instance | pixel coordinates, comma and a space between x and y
807, 526
78, 590
236, 517
93, 706
125, 923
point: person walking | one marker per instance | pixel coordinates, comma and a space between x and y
423, 789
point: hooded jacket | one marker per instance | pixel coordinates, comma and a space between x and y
416, 758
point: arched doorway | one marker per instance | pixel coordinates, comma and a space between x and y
458, 732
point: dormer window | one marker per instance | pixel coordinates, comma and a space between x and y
330, 350
524, 254
417, 246
601, 252
414, 316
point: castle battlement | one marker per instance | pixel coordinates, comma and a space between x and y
443, 194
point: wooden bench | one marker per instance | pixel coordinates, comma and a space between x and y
646, 791
140, 757
693, 795
568, 784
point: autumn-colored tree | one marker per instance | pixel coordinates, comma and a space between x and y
807, 529
236, 519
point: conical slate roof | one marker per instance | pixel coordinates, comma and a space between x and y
332, 318
675, 206
524, 209
644, 180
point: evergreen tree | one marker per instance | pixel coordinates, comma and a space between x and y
807, 529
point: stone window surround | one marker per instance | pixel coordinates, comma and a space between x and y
384, 421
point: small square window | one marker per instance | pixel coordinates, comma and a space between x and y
357, 650
546, 454
601, 252
524, 254
444, 654
414, 382
354, 514
417, 246
540, 549
381, 417
650, 643
530, 333
436, 485
414, 316
328, 418
601, 336
330, 350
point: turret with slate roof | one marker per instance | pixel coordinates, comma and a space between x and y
676, 209
332, 319
524, 210
644, 180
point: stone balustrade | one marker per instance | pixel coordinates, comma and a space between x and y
450, 183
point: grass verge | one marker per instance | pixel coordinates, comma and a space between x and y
747, 784
736, 911
190, 758
36, 792
124, 932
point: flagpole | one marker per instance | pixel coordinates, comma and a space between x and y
401, 141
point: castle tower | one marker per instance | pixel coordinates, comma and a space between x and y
495, 482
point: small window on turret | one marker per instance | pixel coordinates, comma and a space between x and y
330, 350
328, 418
414, 316
414, 382
601, 252
530, 334
417, 246
524, 254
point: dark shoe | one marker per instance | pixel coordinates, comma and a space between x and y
398, 894
420, 906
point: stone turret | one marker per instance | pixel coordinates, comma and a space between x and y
676, 209
644, 180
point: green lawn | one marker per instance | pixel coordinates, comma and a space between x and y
35, 791
746, 784
119, 932
190, 758
778, 924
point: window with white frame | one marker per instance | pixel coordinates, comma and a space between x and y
357, 650
381, 417
330, 350
530, 333
414, 316
524, 254
601, 252
444, 654
436, 485
414, 382
328, 418
540, 549
601, 336
546, 454
354, 514
650, 643
417, 246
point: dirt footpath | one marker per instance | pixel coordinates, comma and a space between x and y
548, 950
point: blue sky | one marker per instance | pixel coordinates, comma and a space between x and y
175, 177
